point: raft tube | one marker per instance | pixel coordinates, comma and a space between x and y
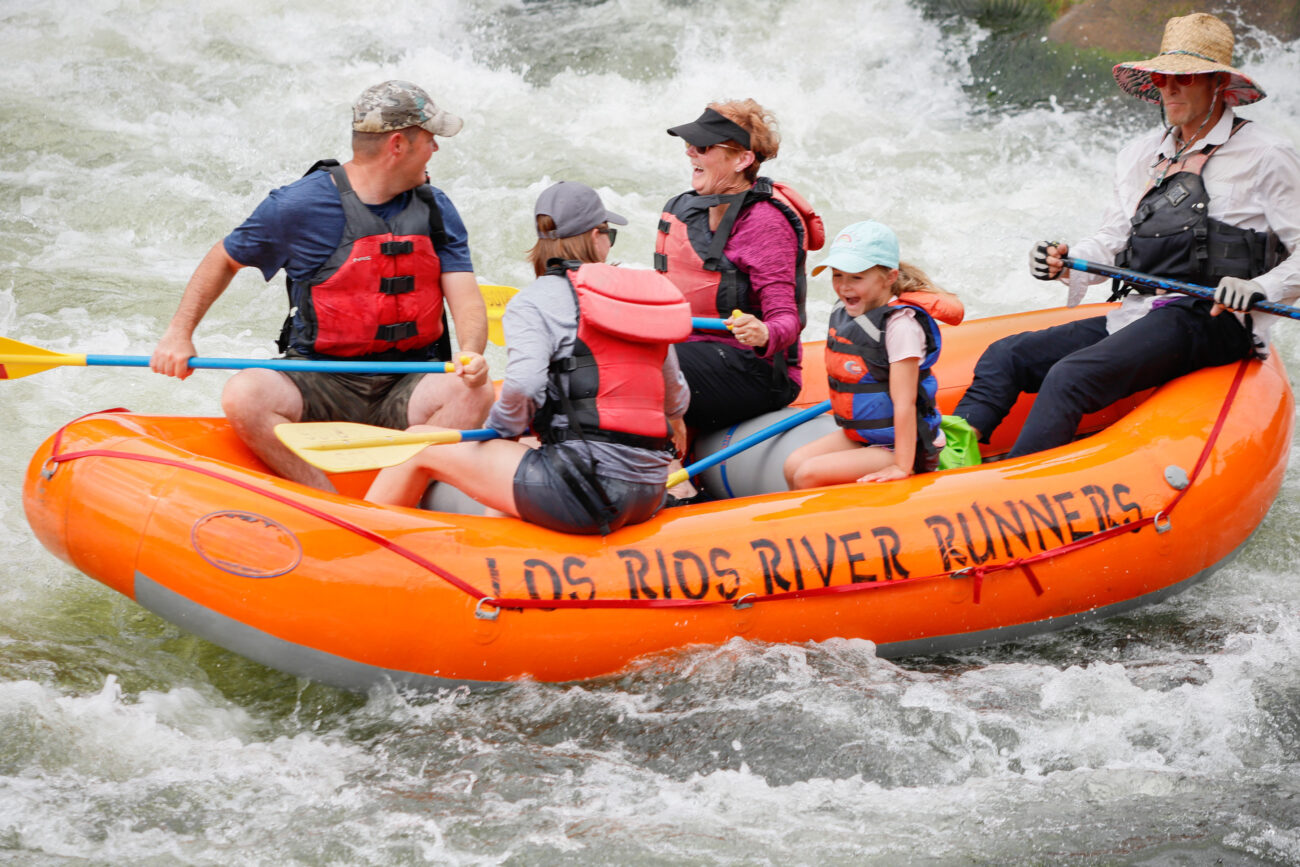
178, 515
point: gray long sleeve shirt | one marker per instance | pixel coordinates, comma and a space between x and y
541, 325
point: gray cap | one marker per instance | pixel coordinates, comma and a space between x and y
396, 105
575, 208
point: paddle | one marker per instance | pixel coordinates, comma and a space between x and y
344, 447
22, 359
495, 298
1172, 285
753, 439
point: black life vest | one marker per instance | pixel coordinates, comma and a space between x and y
691, 254
611, 388
857, 370
1174, 237
378, 295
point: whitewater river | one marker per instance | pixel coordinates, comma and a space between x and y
135, 133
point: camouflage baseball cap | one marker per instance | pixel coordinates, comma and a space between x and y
396, 105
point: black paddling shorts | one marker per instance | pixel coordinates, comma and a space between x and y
543, 497
379, 399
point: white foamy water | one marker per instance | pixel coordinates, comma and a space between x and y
133, 135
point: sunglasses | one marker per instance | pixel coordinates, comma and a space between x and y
704, 150
1160, 79
611, 232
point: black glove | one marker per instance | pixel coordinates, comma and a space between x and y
1038, 260
1238, 294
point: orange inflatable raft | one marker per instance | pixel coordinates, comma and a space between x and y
178, 515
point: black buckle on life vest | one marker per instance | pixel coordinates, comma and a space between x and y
396, 331
397, 285
665, 227
396, 248
661, 262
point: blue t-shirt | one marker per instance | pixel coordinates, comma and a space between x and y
298, 226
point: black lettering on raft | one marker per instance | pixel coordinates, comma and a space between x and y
715, 555
532, 564
890, 545
1044, 521
824, 574
970, 542
855, 557
1005, 525
1070, 515
1129, 506
769, 558
571, 563
680, 559
663, 575
945, 535
637, 565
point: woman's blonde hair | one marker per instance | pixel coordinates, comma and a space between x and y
764, 139
580, 247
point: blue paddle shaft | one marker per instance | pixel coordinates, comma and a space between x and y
757, 437
703, 323
479, 434
1171, 285
306, 364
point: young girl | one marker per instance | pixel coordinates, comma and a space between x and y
878, 357
591, 371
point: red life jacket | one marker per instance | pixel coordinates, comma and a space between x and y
379, 294
691, 254
612, 387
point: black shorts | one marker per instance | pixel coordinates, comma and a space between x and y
379, 399
544, 497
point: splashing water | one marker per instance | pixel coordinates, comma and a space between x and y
135, 134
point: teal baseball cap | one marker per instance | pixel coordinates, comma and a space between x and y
861, 246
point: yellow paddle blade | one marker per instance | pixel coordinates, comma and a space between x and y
22, 359
345, 447
496, 298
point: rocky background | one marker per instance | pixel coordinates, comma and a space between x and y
1133, 27
1061, 52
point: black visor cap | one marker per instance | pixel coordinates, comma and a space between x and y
711, 128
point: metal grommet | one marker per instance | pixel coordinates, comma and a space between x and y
482, 614
740, 604
1162, 522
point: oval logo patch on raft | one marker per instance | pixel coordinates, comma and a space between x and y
246, 544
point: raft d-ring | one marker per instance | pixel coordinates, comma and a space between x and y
961, 573
48, 468
740, 604
483, 614
1162, 523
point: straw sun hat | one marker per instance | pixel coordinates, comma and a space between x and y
1191, 44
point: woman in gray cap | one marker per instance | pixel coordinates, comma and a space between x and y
591, 372
735, 245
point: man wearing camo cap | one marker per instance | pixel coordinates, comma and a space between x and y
373, 255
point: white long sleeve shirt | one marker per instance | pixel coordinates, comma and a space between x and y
1253, 182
